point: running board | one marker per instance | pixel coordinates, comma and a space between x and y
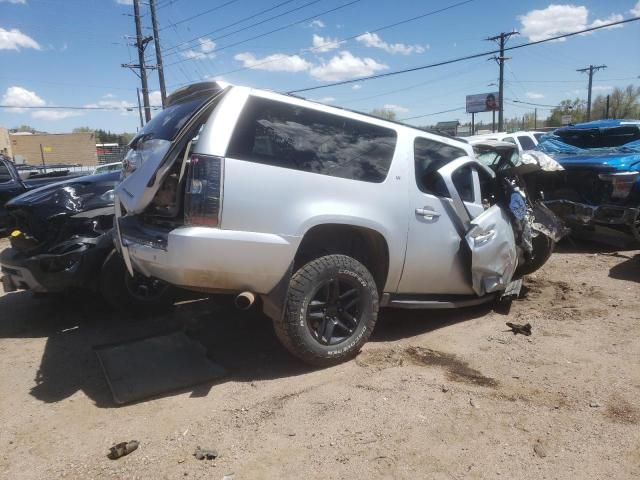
422, 303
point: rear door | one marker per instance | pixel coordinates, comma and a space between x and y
489, 234
154, 151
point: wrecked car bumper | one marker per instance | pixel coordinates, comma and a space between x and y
584, 215
54, 273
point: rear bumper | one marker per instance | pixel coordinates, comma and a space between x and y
583, 214
213, 259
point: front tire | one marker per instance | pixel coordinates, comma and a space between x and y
331, 310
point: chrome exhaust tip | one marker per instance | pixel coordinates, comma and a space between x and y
244, 301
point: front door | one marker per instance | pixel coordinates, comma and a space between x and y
435, 261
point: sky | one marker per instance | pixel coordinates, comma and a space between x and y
57, 53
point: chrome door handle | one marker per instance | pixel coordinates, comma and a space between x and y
427, 213
484, 237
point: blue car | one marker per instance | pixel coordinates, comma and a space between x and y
600, 185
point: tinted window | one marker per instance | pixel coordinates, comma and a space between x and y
509, 139
463, 181
526, 143
429, 156
5, 174
288, 136
166, 124
538, 136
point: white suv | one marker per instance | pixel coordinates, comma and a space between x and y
321, 213
523, 140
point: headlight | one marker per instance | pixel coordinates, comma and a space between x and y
622, 182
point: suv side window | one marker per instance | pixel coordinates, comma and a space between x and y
289, 136
429, 156
509, 139
526, 143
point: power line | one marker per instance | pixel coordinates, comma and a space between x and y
218, 7
275, 30
352, 37
52, 107
432, 114
591, 69
189, 45
461, 59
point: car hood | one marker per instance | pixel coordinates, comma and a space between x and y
606, 162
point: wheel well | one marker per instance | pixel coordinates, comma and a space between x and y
365, 245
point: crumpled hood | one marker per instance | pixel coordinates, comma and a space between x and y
605, 162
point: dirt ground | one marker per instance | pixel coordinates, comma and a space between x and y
438, 395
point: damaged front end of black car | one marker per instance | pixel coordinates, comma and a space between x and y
63, 242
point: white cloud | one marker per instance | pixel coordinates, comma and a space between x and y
373, 40
560, 19
345, 66
155, 98
21, 97
357, 86
205, 49
635, 11
278, 62
14, 39
317, 24
614, 17
324, 44
534, 95
54, 114
602, 88
21, 2
125, 2
112, 104
325, 100
395, 108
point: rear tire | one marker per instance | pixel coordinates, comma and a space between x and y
331, 310
136, 294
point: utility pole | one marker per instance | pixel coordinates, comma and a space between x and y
502, 40
139, 108
591, 69
535, 118
141, 44
606, 115
156, 38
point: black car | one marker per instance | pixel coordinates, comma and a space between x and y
11, 185
63, 241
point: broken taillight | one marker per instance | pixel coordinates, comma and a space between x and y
203, 191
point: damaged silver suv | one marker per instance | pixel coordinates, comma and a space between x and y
323, 215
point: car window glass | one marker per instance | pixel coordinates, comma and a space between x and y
463, 181
5, 174
429, 156
289, 136
538, 136
509, 139
526, 143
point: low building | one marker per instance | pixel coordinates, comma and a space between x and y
450, 128
5, 143
55, 149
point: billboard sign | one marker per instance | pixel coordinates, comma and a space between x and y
483, 102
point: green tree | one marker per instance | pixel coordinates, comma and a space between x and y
576, 108
623, 103
24, 128
82, 130
383, 113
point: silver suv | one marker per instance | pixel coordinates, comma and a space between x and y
323, 214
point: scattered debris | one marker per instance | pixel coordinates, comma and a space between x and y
520, 329
539, 449
445, 389
594, 404
202, 454
472, 403
121, 449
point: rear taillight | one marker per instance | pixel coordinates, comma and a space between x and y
203, 191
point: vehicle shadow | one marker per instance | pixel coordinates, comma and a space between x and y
597, 242
628, 270
244, 343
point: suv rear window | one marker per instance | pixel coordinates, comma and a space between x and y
289, 136
526, 143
